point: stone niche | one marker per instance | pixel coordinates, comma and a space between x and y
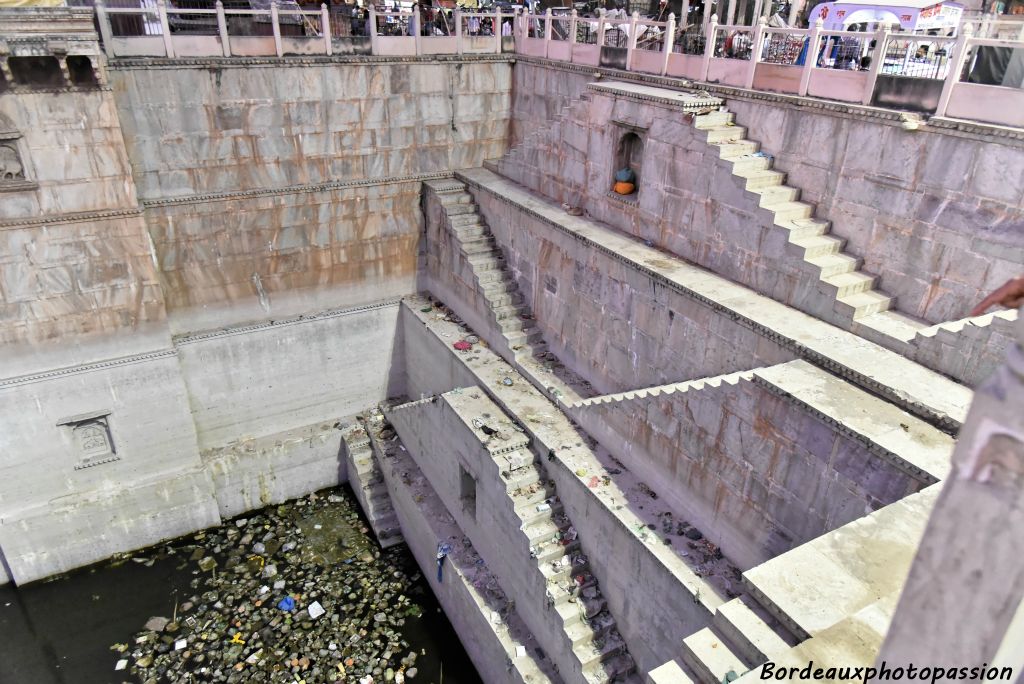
91, 439
14, 174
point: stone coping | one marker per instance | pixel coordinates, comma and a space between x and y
88, 367
640, 92
903, 440
242, 329
906, 383
78, 217
126, 63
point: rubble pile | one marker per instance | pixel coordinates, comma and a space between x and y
295, 593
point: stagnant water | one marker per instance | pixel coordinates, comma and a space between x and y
76, 628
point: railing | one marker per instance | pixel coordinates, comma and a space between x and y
943, 75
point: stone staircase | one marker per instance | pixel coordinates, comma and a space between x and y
659, 390
496, 284
574, 602
572, 591
367, 481
852, 292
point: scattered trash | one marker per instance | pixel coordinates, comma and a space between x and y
543, 507
121, 664
287, 603
507, 381
180, 644
594, 481
463, 345
156, 624
472, 339
315, 610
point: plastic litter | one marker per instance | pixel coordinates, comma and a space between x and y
506, 381
463, 345
287, 603
315, 610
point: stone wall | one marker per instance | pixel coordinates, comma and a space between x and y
759, 474
937, 212
77, 279
612, 324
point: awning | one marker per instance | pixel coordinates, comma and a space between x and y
910, 15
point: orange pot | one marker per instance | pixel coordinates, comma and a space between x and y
624, 188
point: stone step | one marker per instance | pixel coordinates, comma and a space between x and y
776, 194
745, 625
459, 209
862, 304
498, 299
503, 312
762, 178
810, 246
458, 221
739, 148
524, 337
480, 245
747, 162
550, 552
710, 657
671, 672
549, 528
523, 477
493, 276
828, 265
487, 261
725, 133
804, 227
846, 284
788, 211
504, 285
530, 515
514, 325
451, 198
584, 632
560, 591
713, 120
593, 653
616, 669
470, 232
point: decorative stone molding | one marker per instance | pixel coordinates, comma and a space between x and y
91, 435
70, 218
86, 368
126, 63
295, 189
192, 338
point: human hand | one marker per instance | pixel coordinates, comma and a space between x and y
1010, 295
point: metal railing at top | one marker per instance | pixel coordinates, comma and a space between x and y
781, 46
733, 42
917, 56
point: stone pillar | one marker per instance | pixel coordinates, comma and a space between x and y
961, 605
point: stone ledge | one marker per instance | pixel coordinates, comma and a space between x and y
69, 218
294, 189
192, 338
126, 63
87, 368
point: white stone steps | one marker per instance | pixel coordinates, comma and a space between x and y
804, 227
509, 311
531, 516
846, 284
713, 120
739, 149
860, 304
595, 653
545, 529
757, 179
773, 195
617, 669
583, 632
671, 672
725, 133
890, 324
788, 211
677, 387
828, 265
747, 162
752, 638
810, 246
549, 552
710, 657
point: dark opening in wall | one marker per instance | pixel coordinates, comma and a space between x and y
4, 85
628, 170
41, 72
80, 68
467, 492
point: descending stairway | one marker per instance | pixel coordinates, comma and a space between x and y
496, 284
367, 482
701, 383
571, 590
840, 278
592, 645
